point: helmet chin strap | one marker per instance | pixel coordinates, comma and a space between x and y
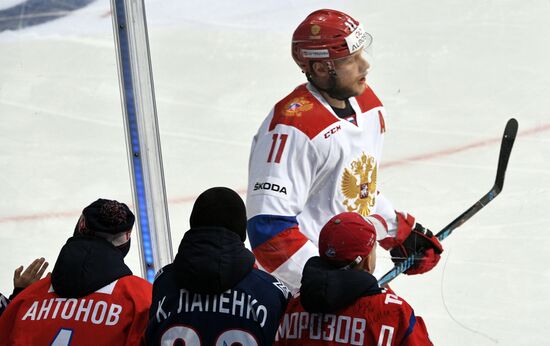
331, 89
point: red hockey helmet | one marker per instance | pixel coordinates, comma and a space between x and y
327, 35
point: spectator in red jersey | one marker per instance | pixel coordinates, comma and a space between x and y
91, 296
340, 302
23, 278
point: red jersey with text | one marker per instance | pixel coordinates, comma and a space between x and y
116, 314
383, 319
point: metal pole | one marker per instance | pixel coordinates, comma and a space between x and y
142, 134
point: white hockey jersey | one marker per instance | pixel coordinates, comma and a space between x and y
307, 165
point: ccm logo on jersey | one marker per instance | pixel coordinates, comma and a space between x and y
332, 131
269, 186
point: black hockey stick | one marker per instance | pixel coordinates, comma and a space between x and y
505, 150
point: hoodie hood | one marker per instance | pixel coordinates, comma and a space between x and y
86, 264
329, 289
211, 260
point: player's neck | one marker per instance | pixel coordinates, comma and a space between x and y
332, 101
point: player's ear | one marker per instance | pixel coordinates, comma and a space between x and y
370, 264
319, 68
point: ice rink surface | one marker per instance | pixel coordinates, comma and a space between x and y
449, 72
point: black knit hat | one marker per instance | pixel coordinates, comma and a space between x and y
220, 207
105, 217
108, 216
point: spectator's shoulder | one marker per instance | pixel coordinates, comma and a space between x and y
136, 280
38, 288
391, 303
270, 282
138, 288
165, 274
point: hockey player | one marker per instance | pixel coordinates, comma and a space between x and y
340, 302
91, 297
212, 294
24, 278
318, 154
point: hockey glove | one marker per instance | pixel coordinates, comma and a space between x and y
413, 237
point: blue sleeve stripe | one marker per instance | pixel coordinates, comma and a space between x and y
412, 322
261, 228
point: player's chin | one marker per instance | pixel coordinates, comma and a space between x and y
360, 87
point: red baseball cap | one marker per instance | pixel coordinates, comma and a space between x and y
346, 238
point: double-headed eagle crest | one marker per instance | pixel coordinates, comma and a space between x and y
359, 185
297, 106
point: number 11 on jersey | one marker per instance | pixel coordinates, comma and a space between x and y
280, 148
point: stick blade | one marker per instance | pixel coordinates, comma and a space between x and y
508, 139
